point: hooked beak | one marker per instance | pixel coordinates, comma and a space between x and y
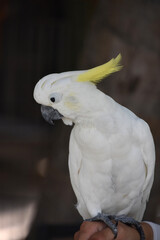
50, 114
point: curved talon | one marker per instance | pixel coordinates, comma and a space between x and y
115, 229
140, 231
116, 223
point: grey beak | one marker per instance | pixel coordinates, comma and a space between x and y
50, 114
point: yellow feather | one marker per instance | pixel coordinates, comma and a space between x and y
96, 74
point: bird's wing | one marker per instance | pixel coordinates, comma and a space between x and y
148, 153
143, 136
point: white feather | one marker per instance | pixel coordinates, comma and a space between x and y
116, 156
111, 153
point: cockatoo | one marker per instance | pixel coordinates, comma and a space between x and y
111, 150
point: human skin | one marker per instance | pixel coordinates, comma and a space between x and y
99, 231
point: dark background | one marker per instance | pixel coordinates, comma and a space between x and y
42, 37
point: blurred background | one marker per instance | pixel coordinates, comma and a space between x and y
42, 37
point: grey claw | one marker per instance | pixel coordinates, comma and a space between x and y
107, 219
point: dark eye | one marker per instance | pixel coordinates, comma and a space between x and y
55, 97
52, 99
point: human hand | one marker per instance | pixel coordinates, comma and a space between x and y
99, 231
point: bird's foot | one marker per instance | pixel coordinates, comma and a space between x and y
112, 222
108, 220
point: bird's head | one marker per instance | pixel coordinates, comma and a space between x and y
71, 95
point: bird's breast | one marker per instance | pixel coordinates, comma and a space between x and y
91, 140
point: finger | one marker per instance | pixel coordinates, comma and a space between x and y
87, 229
105, 234
76, 235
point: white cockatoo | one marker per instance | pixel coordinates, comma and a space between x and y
111, 150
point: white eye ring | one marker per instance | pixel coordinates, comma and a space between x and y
55, 97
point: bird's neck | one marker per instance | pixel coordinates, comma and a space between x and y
101, 105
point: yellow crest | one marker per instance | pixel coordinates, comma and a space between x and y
96, 74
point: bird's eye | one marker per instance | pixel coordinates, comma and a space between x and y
52, 99
55, 97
